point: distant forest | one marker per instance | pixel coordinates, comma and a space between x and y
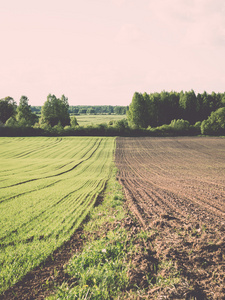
87, 109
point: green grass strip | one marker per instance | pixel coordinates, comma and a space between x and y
100, 271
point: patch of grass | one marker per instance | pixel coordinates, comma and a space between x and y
84, 120
167, 274
100, 270
145, 235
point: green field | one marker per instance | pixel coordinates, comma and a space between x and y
48, 185
97, 119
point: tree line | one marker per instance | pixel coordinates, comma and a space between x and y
168, 109
55, 119
98, 109
54, 111
157, 109
92, 110
156, 114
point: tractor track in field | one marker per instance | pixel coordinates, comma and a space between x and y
178, 192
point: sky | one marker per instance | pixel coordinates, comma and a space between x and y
99, 52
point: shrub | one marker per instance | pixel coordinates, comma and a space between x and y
215, 124
180, 125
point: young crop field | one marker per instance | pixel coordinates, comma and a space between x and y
176, 189
48, 185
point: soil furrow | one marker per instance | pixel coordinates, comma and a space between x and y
177, 191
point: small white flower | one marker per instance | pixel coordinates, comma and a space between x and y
104, 250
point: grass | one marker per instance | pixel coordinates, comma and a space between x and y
97, 119
100, 270
48, 186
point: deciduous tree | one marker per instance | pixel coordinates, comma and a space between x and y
137, 113
25, 117
55, 110
7, 108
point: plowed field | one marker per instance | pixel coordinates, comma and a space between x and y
176, 189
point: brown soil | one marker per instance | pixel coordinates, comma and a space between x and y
176, 189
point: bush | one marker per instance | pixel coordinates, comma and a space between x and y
215, 124
180, 125
73, 122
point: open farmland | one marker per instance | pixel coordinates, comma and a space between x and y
84, 120
47, 188
176, 189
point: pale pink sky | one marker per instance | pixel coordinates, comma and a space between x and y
101, 51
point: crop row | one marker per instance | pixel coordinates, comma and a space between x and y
48, 186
